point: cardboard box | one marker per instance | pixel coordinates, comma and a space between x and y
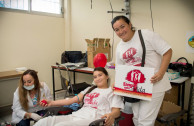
172, 94
168, 108
95, 46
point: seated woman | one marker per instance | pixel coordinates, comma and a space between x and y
27, 97
99, 102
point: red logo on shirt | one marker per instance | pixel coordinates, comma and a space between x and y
129, 53
90, 99
130, 59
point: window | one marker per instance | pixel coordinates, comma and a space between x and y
52, 7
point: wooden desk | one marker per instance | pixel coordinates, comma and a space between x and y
8, 84
10, 74
79, 70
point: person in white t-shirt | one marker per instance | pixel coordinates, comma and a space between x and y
99, 103
158, 55
27, 97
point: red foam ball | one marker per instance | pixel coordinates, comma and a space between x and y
100, 60
44, 101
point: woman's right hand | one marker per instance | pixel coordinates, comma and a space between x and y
45, 103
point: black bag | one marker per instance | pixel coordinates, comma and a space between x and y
133, 100
84, 59
78, 87
71, 56
185, 69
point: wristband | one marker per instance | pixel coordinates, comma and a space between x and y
77, 97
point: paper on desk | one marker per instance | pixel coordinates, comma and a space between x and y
86, 68
80, 64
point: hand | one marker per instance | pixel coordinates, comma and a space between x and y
109, 119
45, 103
157, 77
35, 116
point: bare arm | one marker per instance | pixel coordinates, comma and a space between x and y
110, 117
164, 65
67, 101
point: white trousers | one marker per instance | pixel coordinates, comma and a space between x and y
145, 112
67, 120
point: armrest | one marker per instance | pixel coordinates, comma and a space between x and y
98, 122
172, 116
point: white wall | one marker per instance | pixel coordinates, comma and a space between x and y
33, 41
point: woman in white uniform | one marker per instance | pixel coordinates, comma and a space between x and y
99, 103
27, 97
158, 55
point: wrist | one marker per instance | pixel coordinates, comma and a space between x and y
51, 103
28, 115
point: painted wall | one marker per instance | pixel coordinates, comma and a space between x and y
31, 41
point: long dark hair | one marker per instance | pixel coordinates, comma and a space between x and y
23, 92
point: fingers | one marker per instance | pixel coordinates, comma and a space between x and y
109, 120
157, 77
44, 103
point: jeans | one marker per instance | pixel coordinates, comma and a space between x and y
26, 122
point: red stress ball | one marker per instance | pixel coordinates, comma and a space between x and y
100, 60
44, 101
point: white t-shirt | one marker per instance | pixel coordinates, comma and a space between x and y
98, 102
130, 53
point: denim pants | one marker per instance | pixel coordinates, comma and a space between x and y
26, 122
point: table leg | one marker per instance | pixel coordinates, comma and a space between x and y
179, 95
74, 77
53, 77
182, 99
183, 95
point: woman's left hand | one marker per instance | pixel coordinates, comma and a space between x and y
157, 77
109, 119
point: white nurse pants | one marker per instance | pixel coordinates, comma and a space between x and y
145, 112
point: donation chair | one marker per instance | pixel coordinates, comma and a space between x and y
52, 111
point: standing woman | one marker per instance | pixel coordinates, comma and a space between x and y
27, 97
158, 55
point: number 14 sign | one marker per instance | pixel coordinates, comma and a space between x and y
132, 81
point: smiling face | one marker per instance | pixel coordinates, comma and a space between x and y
123, 30
100, 79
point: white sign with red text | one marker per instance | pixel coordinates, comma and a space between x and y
132, 81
